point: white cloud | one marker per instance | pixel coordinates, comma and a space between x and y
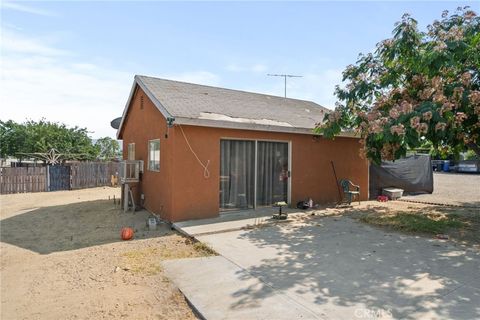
14, 42
256, 68
28, 9
38, 81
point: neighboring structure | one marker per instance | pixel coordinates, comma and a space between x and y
208, 150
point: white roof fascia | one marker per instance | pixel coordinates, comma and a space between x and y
160, 107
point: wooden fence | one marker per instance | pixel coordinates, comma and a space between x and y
65, 177
23, 179
92, 174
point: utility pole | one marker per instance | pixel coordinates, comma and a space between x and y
285, 76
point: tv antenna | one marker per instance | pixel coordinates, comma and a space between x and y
285, 76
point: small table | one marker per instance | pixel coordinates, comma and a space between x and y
280, 215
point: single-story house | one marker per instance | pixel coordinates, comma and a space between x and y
209, 150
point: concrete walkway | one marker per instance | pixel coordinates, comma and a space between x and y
330, 268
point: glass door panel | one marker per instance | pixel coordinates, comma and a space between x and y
237, 174
272, 172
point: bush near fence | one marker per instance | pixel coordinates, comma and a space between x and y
37, 179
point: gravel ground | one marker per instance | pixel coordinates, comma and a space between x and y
452, 189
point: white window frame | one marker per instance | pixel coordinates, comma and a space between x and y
131, 151
150, 168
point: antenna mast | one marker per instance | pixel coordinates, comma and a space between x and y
285, 76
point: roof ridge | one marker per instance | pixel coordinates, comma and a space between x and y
229, 89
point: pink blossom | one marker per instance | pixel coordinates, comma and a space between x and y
406, 107
469, 15
423, 128
474, 97
440, 126
460, 117
334, 116
447, 106
476, 110
439, 97
394, 113
426, 93
383, 121
427, 116
455, 33
458, 92
375, 127
415, 122
440, 46
398, 129
437, 82
373, 115
466, 78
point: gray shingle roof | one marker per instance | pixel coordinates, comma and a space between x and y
196, 104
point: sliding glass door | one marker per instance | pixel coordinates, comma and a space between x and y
253, 173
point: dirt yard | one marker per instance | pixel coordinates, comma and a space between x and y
452, 189
460, 224
62, 258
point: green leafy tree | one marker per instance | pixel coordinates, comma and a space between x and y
12, 138
41, 136
108, 148
416, 87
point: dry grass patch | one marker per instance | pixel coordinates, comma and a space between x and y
204, 249
459, 223
432, 223
146, 261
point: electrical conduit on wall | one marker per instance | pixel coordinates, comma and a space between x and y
206, 172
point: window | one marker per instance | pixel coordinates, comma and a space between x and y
154, 155
131, 151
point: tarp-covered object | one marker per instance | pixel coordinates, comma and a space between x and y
413, 174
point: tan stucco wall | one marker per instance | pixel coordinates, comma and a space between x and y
311, 174
181, 192
141, 126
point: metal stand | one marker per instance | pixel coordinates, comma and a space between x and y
127, 198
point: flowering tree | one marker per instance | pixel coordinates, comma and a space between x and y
416, 87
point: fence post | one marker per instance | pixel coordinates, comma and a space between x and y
48, 178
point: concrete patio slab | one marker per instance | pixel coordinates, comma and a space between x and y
339, 268
231, 221
219, 289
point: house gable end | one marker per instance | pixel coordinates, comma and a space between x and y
137, 83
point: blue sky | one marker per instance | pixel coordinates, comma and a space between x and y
74, 61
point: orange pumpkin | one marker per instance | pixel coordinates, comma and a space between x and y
127, 233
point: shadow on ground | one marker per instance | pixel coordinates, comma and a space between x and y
337, 266
74, 226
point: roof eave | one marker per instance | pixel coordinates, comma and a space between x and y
250, 126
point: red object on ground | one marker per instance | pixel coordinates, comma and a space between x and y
382, 198
127, 233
